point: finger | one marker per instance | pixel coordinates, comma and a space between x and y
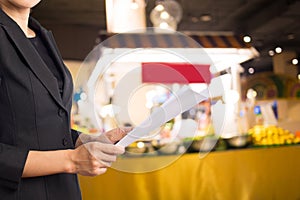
117, 134
85, 138
97, 171
98, 161
107, 159
105, 163
105, 152
127, 129
112, 135
103, 138
123, 131
112, 149
88, 167
102, 170
94, 147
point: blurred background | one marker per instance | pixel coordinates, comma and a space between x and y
269, 23
253, 48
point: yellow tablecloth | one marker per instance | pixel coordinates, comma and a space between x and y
249, 174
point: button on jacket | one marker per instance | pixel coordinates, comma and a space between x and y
33, 115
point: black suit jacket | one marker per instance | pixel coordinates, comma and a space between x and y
33, 115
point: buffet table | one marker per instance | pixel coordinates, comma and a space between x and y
247, 174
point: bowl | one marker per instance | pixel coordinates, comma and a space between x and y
135, 150
205, 144
240, 141
166, 148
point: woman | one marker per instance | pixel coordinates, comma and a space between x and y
37, 155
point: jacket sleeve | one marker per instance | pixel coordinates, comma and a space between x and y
75, 135
12, 161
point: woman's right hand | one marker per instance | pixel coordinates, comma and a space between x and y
93, 158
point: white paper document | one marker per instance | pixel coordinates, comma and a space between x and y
183, 100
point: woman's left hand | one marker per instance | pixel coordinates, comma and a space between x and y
111, 136
117, 134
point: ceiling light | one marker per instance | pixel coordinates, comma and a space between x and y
206, 17
251, 70
164, 25
278, 49
247, 39
271, 53
159, 7
168, 24
164, 15
251, 94
295, 61
167, 13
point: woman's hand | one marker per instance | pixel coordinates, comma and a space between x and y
94, 153
93, 158
111, 136
89, 159
117, 134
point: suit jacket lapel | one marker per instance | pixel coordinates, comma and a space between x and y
31, 57
68, 84
50, 42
